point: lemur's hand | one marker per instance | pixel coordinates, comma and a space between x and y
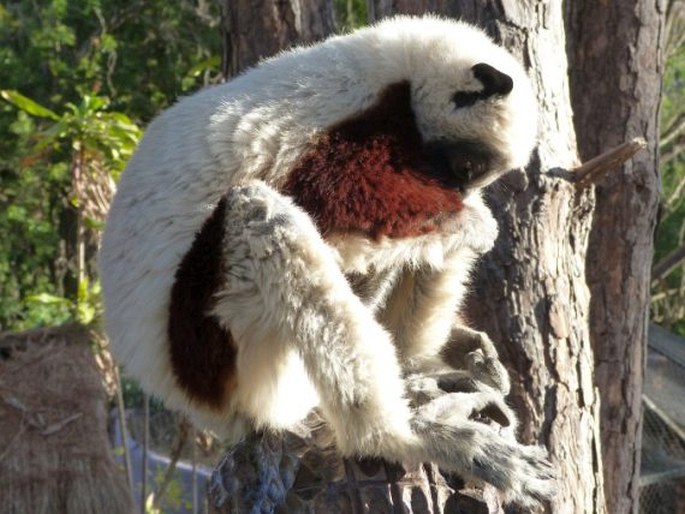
473, 350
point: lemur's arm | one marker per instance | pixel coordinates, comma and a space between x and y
283, 287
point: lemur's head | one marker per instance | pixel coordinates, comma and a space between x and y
450, 111
472, 100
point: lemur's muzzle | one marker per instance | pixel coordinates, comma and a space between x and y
459, 164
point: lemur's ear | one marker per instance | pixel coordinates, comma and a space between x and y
494, 83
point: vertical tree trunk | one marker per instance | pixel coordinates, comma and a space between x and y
255, 29
615, 54
531, 295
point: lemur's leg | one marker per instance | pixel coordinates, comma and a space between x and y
277, 265
374, 287
422, 315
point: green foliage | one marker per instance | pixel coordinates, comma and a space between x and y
673, 98
84, 135
668, 295
350, 14
78, 80
83, 127
27, 105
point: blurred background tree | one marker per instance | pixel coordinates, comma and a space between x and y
668, 287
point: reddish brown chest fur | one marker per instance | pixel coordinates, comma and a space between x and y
370, 173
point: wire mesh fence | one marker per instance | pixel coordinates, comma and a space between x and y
662, 478
663, 465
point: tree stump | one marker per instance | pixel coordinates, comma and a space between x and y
300, 472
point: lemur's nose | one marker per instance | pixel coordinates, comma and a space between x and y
458, 164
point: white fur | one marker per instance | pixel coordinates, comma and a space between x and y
302, 335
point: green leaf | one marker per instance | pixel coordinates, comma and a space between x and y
211, 63
47, 299
94, 223
27, 105
86, 313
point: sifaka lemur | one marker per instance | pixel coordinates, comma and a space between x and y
303, 235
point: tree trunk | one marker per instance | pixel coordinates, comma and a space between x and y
615, 54
255, 29
530, 294
300, 472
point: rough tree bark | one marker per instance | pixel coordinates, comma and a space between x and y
254, 29
615, 53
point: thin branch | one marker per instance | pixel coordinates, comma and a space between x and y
674, 129
146, 448
193, 456
121, 415
184, 427
591, 171
675, 20
665, 295
674, 151
675, 195
668, 263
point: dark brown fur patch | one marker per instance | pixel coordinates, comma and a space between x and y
371, 173
202, 353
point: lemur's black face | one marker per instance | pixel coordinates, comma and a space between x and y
460, 164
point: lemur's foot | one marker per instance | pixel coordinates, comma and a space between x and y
456, 442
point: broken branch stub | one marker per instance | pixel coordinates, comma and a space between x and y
593, 170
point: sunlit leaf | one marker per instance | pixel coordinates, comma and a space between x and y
93, 223
26, 104
48, 299
212, 63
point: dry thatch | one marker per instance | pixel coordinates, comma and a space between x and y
54, 452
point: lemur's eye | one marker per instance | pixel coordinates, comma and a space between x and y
494, 83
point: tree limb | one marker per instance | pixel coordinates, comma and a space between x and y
121, 417
675, 20
591, 171
668, 263
674, 129
674, 151
665, 295
675, 195
184, 427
